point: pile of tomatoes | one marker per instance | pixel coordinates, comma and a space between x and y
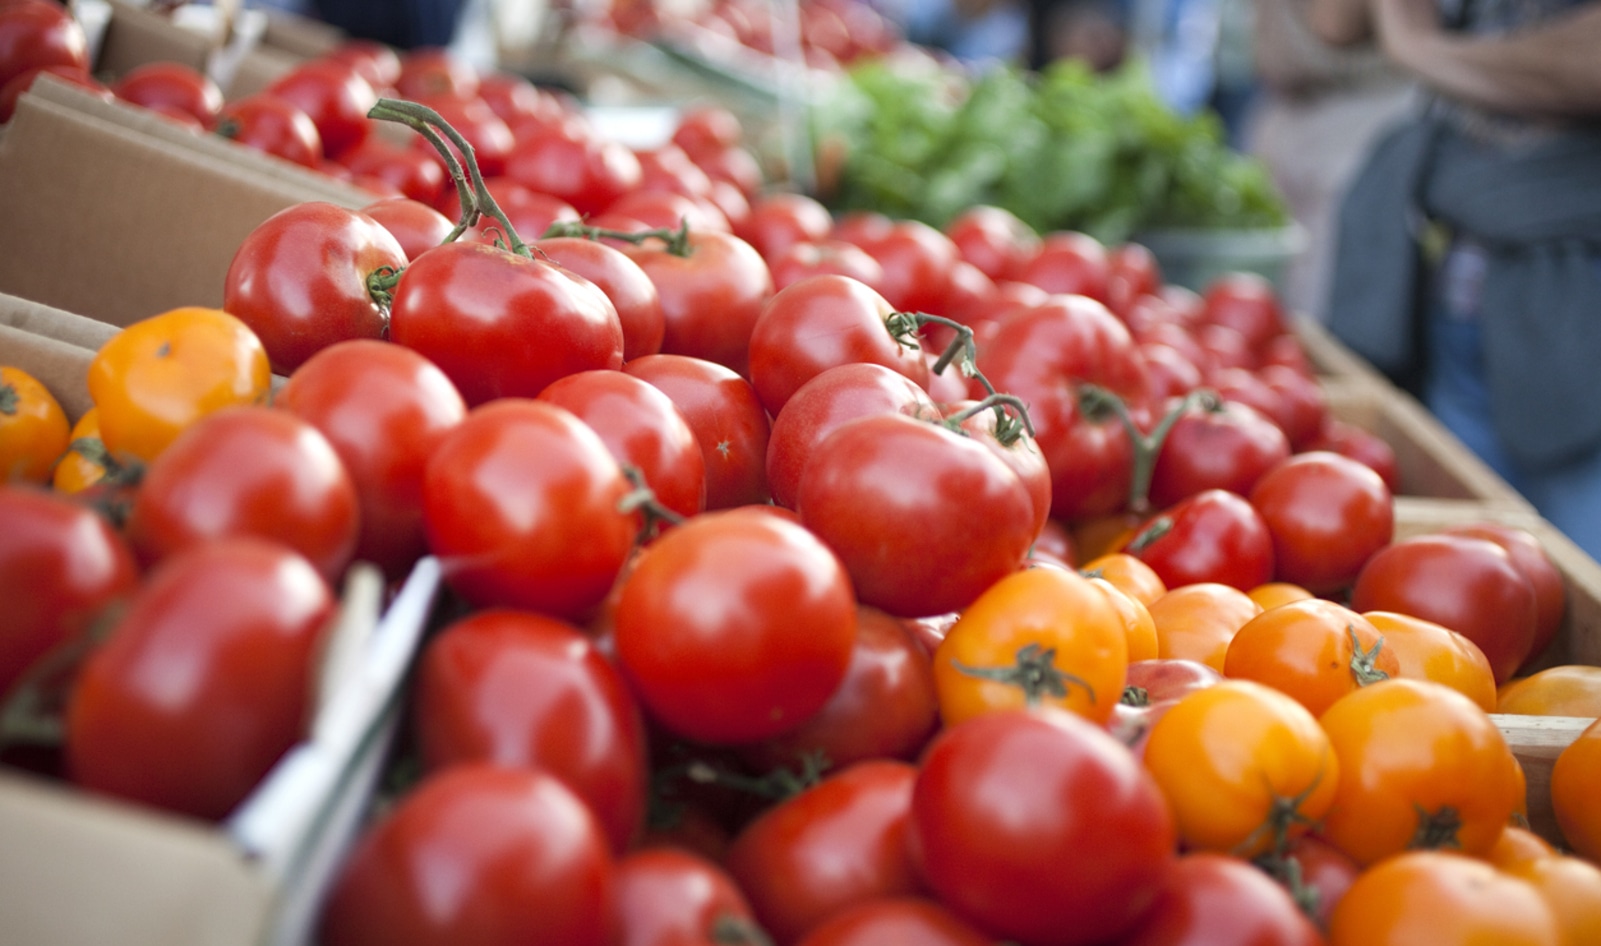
812, 581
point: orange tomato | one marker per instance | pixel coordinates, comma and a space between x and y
1314, 650
1435, 897
1135, 578
1516, 845
1275, 593
1429, 651
1040, 636
1571, 887
1575, 778
154, 378
1565, 690
1136, 621
1244, 767
84, 462
33, 428
1197, 622
1421, 766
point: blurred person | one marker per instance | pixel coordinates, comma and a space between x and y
1316, 114
976, 33
1468, 257
1094, 31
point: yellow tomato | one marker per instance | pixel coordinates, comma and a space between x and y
1425, 650
1275, 593
1575, 781
1421, 767
1135, 578
154, 378
1197, 622
1571, 887
1566, 690
1040, 636
33, 428
1315, 650
84, 462
1136, 621
1516, 845
1245, 768
1420, 898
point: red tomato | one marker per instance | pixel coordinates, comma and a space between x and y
415, 225
1069, 262
667, 167
711, 296
1159, 679
895, 920
377, 62
384, 409
12, 89
887, 493
174, 84
1216, 445
825, 403
735, 627
268, 123
818, 323
1328, 514
249, 471
668, 897
336, 99
300, 280
727, 418
1213, 536
782, 219
521, 502
1215, 898
670, 210
1133, 273
434, 72
1038, 826
633, 295
526, 690
418, 175
569, 162
530, 213
834, 845
1530, 559
1247, 303
477, 855
61, 565
993, 239
502, 325
805, 258
1361, 445
642, 429
705, 128
885, 708
488, 134
204, 681
35, 35
1304, 408
917, 260
1465, 583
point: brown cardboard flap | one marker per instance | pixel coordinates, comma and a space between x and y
301, 36
63, 368
316, 185
117, 225
54, 323
135, 36
260, 68
79, 870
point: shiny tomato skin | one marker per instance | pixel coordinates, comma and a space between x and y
204, 681
336, 98
735, 626
1038, 826
477, 855
1338, 436
172, 84
1215, 898
571, 162
1531, 560
522, 689
1069, 262
1441, 897
521, 504
299, 280
805, 258
820, 322
502, 325
1224, 445
827, 402
415, 225
672, 897
911, 551
642, 428
60, 566
384, 408
1213, 536
268, 123
34, 35
781, 219
1467, 584
638, 304
727, 418
834, 845
710, 298
249, 471
1328, 514
1247, 303
993, 239
895, 920
417, 176
917, 260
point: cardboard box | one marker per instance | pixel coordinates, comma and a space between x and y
1535, 740
115, 218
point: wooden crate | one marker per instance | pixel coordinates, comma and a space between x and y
1535, 740
1330, 357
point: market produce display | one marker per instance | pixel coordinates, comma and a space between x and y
966, 583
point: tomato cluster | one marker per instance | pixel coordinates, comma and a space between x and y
960, 585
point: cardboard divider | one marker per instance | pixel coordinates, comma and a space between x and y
116, 224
